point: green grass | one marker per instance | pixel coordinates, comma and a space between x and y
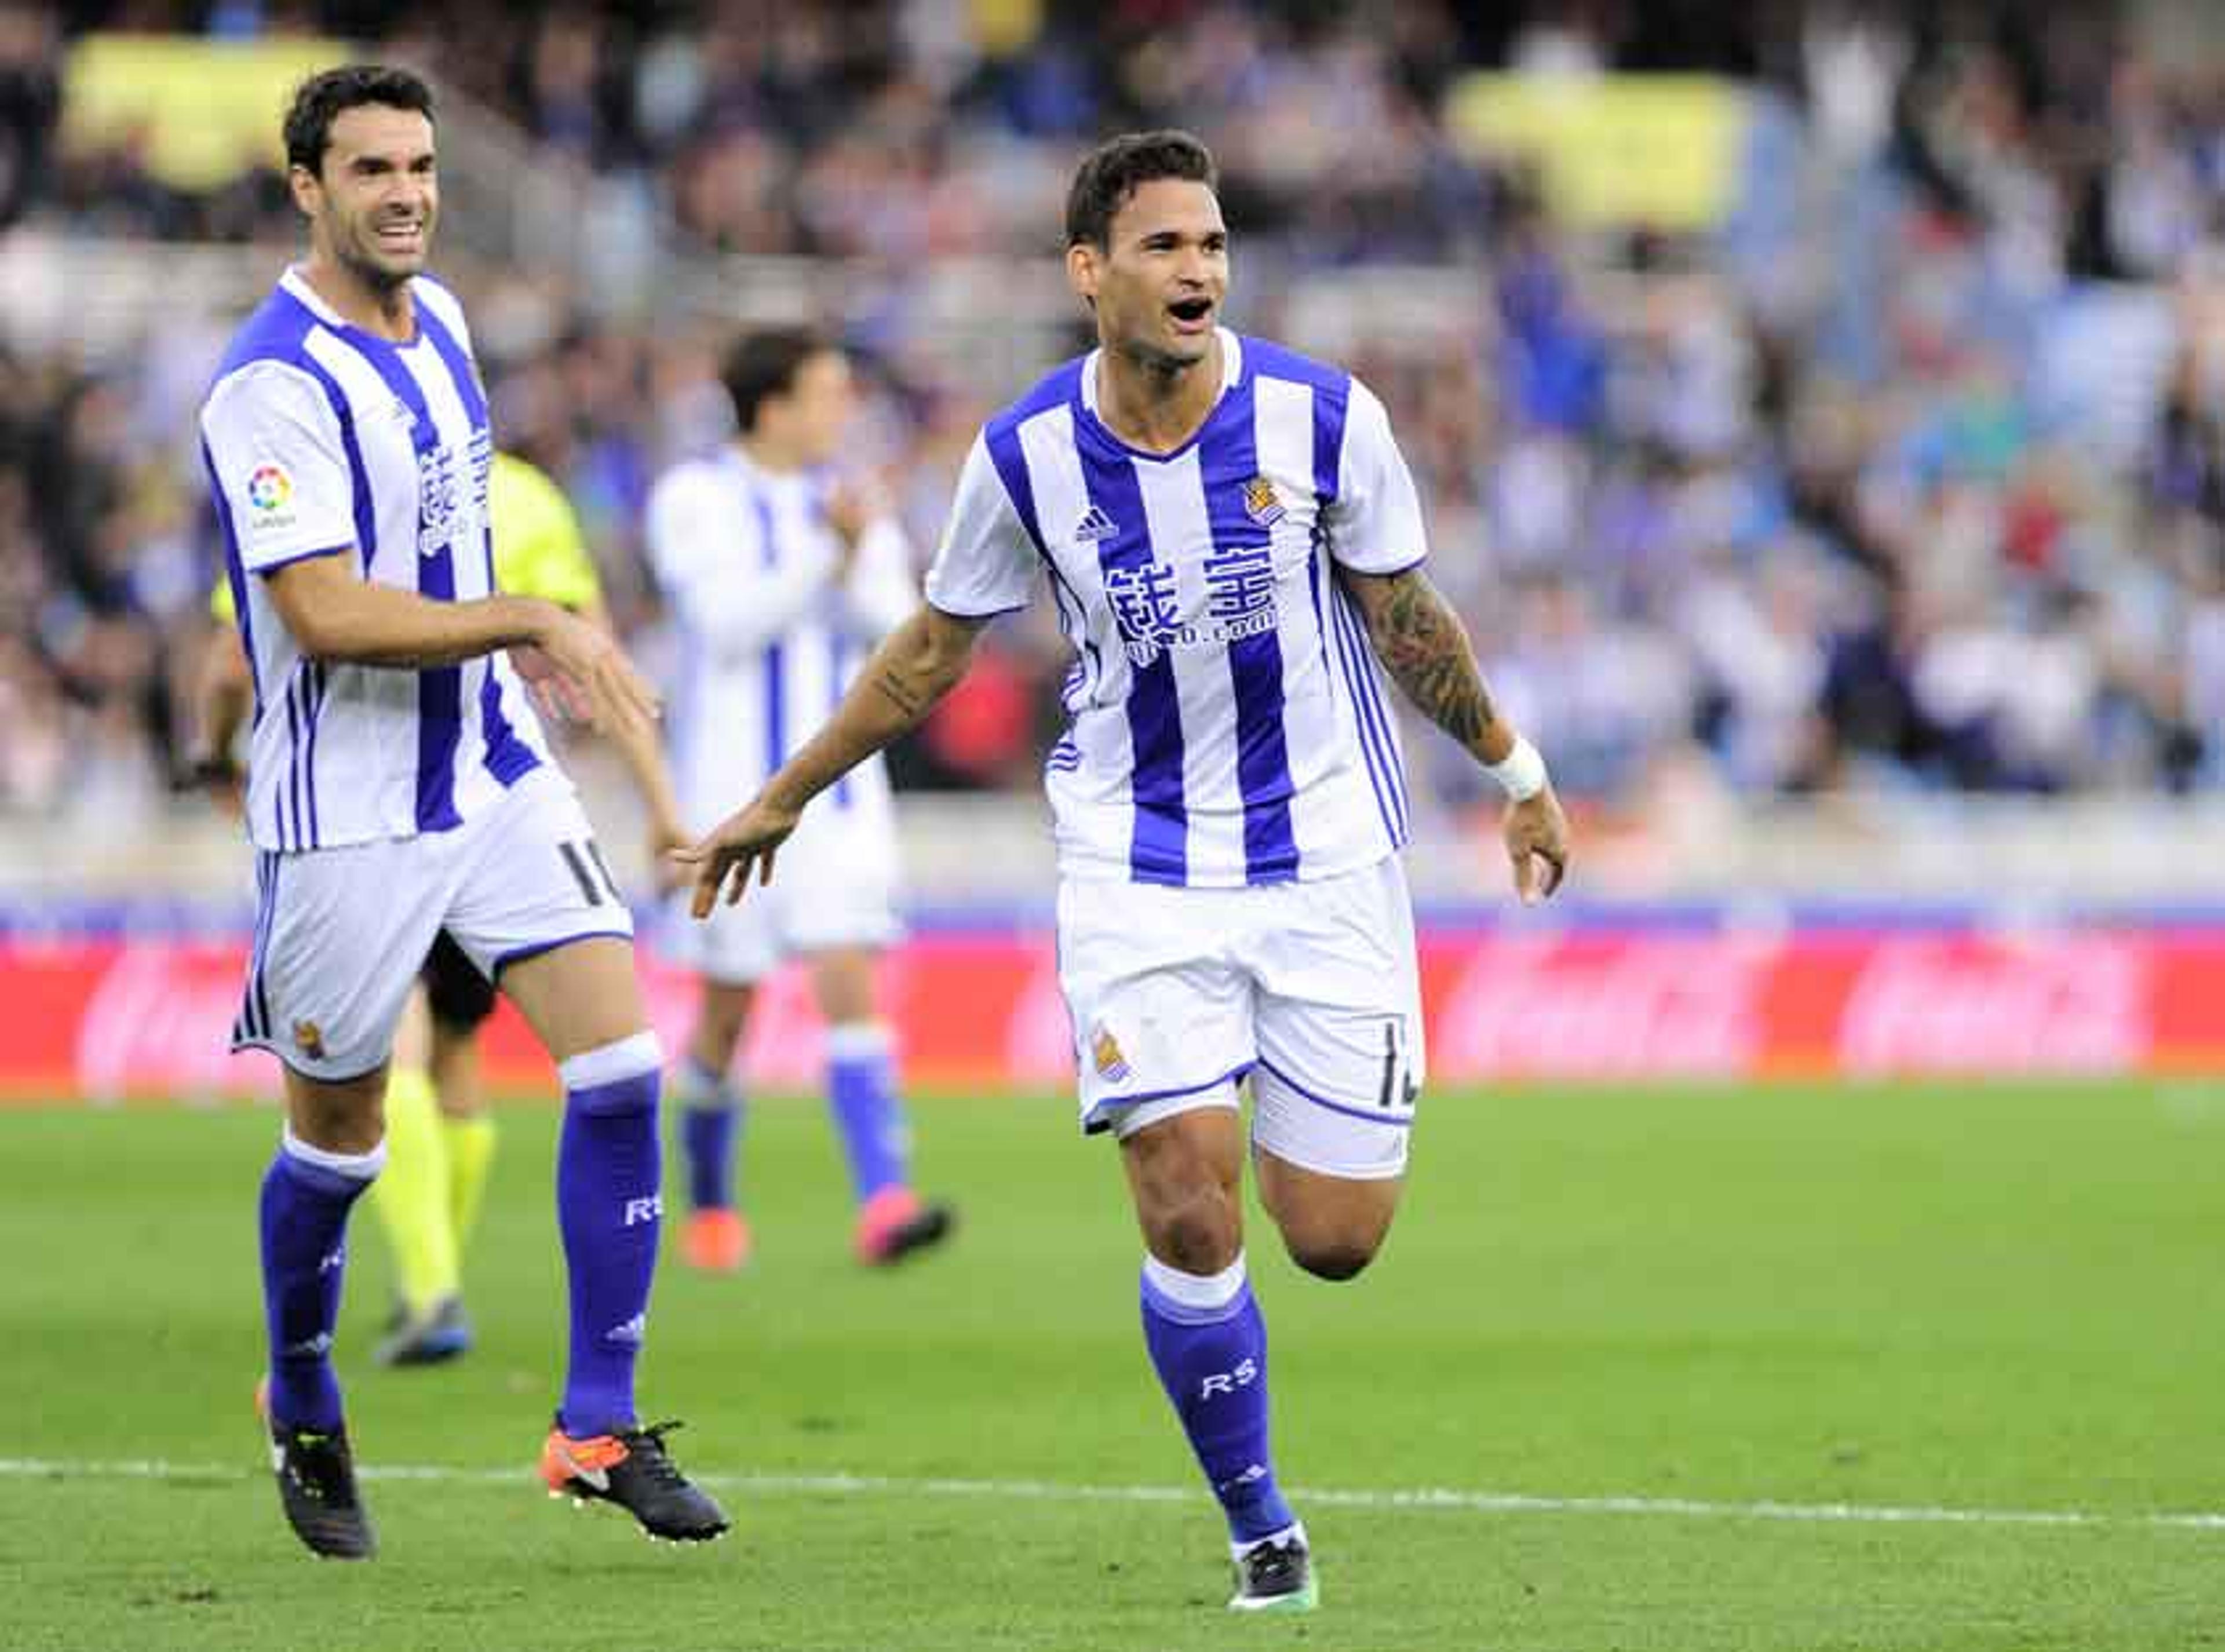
1997, 1298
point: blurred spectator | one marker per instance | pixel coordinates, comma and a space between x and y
1910, 475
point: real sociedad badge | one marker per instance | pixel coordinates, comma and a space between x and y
1260, 503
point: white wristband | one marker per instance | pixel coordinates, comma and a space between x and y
1522, 772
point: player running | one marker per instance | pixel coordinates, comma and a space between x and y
399, 786
1234, 548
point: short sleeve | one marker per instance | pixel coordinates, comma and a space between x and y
1375, 525
986, 563
694, 529
279, 465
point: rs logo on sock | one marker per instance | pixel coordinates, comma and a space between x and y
1246, 1372
644, 1210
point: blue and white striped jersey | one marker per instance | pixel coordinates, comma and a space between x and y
322, 438
1229, 721
769, 638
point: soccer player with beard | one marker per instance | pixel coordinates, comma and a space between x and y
399, 785
1234, 548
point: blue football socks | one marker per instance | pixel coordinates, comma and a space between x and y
710, 1119
861, 1091
307, 1194
1209, 1346
609, 1209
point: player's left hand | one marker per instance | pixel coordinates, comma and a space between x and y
746, 839
1537, 834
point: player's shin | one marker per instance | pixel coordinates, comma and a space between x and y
609, 1208
307, 1194
1209, 1346
862, 1093
711, 1117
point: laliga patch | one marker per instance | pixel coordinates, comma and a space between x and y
270, 496
269, 488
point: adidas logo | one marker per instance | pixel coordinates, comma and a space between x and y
632, 1332
332, 1260
1095, 525
314, 1347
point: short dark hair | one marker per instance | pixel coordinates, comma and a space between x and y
762, 365
1114, 170
321, 98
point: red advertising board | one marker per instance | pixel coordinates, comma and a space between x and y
107, 1018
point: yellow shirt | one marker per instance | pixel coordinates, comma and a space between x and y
539, 550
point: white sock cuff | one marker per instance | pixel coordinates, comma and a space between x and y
1201, 1291
356, 1166
697, 1086
629, 1058
857, 1041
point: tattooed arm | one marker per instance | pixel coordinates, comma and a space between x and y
1425, 648
916, 664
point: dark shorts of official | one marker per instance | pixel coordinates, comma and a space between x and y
459, 997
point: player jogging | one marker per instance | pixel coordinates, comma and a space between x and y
781, 582
399, 785
1233, 545
440, 1133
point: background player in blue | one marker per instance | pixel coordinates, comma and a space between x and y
1234, 550
399, 786
781, 579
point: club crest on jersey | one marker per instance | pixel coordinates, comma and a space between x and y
1104, 1055
309, 1039
1260, 502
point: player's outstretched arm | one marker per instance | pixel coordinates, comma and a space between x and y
916, 664
1426, 650
332, 615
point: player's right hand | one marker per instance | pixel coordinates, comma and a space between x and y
581, 669
748, 839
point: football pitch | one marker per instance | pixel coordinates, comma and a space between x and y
1682, 1368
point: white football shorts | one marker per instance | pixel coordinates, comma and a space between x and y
340, 934
834, 885
1311, 990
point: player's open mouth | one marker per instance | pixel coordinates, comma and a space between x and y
1191, 315
401, 234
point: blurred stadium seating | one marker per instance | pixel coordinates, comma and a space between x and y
1818, 405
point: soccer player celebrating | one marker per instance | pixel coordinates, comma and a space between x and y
781, 583
399, 785
1234, 548
440, 1132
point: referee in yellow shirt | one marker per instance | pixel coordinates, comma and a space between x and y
439, 1134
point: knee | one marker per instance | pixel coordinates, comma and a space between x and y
1195, 1229
1333, 1253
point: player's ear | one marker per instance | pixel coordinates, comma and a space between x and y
309, 194
1082, 268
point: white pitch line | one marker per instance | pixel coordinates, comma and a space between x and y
1425, 1498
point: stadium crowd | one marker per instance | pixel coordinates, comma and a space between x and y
1906, 475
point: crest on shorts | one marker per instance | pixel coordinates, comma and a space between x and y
1105, 1055
1261, 503
309, 1039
